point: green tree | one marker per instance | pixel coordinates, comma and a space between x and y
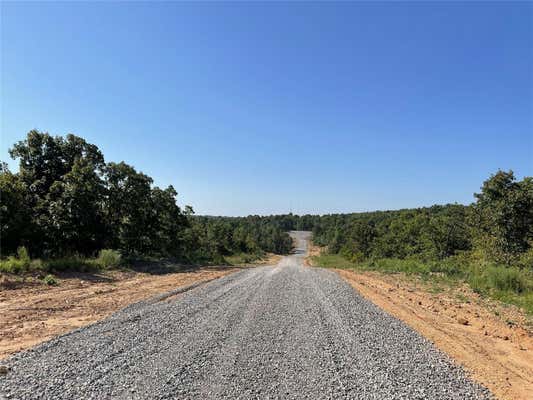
15, 216
167, 222
128, 209
503, 215
44, 161
75, 201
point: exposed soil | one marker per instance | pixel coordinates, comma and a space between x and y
491, 340
498, 354
31, 312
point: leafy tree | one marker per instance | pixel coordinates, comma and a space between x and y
75, 211
167, 222
45, 160
15, 215
448, 231
128, 209
503, 215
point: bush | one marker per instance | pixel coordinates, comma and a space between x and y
508, 279
108, 258
70, 264
526, 259
50, 280
501, 278
391, 265
22, 254
11, 265
16, 264
37, 265
451, 267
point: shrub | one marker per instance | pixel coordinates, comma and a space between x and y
108, 258
16, 264
392, 265
508, 279
22, 254
11, 265
50, 280
70, 264
37, 265
500, 278
451, 267
526, 259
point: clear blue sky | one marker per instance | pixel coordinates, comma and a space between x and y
267, 108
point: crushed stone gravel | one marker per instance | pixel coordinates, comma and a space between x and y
275, 332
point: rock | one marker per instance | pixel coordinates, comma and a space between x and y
462, 321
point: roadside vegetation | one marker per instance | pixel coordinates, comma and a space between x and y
66, 209
487, 244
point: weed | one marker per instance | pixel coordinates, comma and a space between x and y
16, 264
108, 258
71, 264
510, 285
50, 280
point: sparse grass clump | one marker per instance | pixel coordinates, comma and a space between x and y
242, 258
16, 264
108, 258
511, 285
333, 261
73, 263
50, 280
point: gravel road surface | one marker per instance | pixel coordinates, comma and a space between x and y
277, 332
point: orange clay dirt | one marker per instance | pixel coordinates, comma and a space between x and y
493, 342
31, 312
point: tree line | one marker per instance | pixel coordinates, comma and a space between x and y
67, 200
497, 227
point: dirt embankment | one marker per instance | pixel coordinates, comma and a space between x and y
32, 314
493, 342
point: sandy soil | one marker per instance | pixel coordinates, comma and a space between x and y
33, 313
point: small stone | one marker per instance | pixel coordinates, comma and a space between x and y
462, 321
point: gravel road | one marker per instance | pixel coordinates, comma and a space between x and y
276, 332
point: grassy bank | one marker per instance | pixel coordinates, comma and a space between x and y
507, 284
243, 258
22, 263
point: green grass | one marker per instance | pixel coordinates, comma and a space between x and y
108, 258
242, 258
333, 261
74, 263
22, 264
509, 285
18, 264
